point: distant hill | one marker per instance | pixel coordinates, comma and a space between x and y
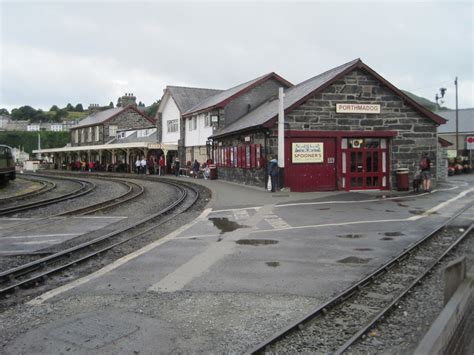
430, 105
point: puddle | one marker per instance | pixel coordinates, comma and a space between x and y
224, 225
402, 205
389, 211
386, 238
363, 249
350, 236
354, 260
324, 209
417, 212
256, 242
272, 263
394, 234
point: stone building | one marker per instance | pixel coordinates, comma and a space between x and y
101, 127
345, 129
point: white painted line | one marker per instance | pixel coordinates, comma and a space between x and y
328, 225
47, 241
441, 205
199, 236
104, 217
50, 294
39, 236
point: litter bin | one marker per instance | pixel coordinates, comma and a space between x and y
212, 172
403, 182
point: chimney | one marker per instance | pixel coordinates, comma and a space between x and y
93, 108
129, 99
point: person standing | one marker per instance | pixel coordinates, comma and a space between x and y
425, 167
137, 165
176, 166
143, 166
196, 167
273, 173
162, 164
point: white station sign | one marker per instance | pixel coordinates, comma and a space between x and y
357, 108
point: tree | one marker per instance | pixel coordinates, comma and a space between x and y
4, 111
69, 107
111, 104
60, 114
54, 108
119, 102
79, 108
23, 113
151, 110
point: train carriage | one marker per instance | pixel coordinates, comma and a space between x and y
7, 164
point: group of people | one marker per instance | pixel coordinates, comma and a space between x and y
152, 166
194, 169
83, 165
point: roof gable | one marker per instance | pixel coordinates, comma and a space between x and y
104, 116
224, 97
185, 97
296, 95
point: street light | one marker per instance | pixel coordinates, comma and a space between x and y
457, 126
442, 91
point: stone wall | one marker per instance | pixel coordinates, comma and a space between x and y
254, 177
128, 119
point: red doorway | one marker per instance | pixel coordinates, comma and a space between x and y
365, 163
315, 174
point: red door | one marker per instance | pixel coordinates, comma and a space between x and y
313, 172
366, 165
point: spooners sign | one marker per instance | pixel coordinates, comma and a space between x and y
307, 152
357, 108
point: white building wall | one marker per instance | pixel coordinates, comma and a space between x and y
170, 112
197, 137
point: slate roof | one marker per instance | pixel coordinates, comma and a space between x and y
297, 94
132, 138
268, 110
220, 99
102, 116
465, 121
185, 98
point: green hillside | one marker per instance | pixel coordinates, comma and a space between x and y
430, 105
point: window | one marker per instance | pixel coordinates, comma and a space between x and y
194, 123
83, 134
97, 133
207, 120
172, 126
112, 130
76, 136
89, 135
190, 124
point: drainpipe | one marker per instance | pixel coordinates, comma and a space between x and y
281, 136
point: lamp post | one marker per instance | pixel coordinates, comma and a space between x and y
457, 122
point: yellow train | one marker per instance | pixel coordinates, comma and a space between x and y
7, 164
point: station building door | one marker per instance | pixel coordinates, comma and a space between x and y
364, 163
310, 164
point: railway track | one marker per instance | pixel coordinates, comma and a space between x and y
85, 187
339, 323
133, 191
46, 187
37, 271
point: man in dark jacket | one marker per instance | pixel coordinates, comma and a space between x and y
273, 173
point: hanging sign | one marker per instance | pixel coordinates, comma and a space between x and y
470, 142
307, 152
357, 108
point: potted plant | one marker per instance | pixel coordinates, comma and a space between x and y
451, 170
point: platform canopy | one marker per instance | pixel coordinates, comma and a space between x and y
131, 145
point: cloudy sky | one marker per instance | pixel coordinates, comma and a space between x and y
59, 52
